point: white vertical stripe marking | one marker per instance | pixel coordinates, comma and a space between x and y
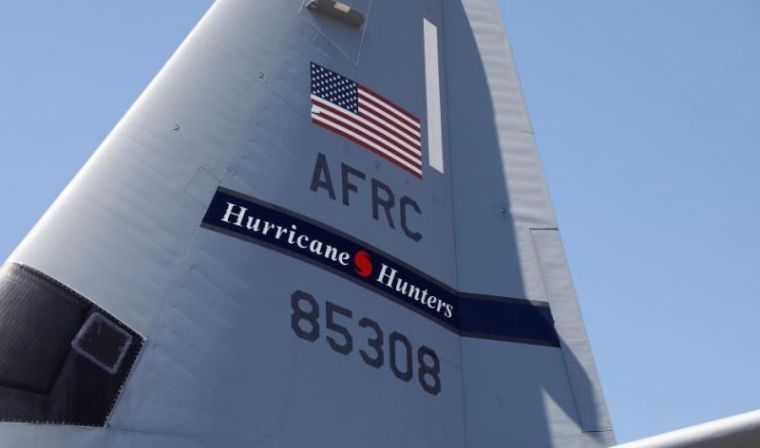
433, 93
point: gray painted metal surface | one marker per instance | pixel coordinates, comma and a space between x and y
223, 363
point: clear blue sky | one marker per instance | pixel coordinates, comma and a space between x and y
646, 115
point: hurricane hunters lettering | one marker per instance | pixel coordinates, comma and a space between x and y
288, 235
328, 249
388, 277
239, 216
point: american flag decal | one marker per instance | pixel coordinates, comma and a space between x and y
366, 118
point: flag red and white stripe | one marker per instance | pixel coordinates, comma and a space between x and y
366, 118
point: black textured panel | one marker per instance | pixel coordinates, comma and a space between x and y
63, 359
37, 323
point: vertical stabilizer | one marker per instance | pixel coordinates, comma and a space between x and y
322, 224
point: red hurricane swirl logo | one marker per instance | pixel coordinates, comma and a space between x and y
363, 264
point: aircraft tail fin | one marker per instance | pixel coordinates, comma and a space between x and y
308, 212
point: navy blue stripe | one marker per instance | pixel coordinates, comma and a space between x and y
469, 315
